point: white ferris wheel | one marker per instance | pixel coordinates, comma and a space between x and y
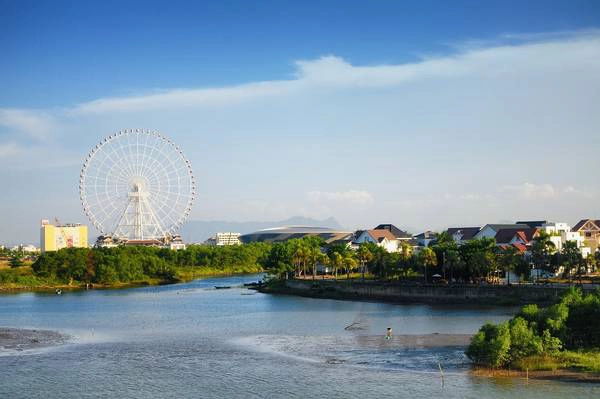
137, 185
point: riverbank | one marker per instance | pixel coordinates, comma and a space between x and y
395, 292
23, 279
18, 340
555, 375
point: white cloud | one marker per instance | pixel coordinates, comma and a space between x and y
332, 71
350, 196
532, 191
406, 134
34, 124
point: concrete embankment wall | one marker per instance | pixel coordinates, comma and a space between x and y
395, 292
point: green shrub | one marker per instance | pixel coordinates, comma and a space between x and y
491, 345
523, 339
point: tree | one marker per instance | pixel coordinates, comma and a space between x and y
571, 258
491, 345
479, 258
336, 260
427, 258
453, 261
350, 261
541, 250
508, 257
404, 260
16, 260
364, 255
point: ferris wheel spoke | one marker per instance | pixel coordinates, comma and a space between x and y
141, 168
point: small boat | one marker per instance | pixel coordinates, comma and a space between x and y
222, 287
58, 291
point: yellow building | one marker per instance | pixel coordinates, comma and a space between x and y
53, 238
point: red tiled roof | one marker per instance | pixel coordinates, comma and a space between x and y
520, 247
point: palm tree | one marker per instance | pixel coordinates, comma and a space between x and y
337, 261
508, 258
452, 258
364, 255
427, 258
541, 249
302, 257
571, 258
315, 257
350, 262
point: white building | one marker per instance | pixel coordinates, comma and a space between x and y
31, 249
383, 238
177, 243
561, 232
221, 239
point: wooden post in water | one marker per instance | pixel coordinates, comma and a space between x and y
527, 375
441, 372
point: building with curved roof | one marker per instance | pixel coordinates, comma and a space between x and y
279, 234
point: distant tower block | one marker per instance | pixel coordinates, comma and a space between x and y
57, 236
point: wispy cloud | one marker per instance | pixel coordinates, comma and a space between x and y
451, 138
350, 196
497, 59
545, 191
33, 124
9, 149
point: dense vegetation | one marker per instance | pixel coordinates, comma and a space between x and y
473, 261
134, 264
564, 335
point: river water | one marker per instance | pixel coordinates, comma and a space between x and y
194, 341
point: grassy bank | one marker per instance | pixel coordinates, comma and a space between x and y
24, 279
583, 361
581, 366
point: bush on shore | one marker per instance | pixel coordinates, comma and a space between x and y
566, 334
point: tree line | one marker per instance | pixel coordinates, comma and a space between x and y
133, 263
473, 261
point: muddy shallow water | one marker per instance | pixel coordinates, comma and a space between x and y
16, 340
191, 340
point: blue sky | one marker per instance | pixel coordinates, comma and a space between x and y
424, 114
59, 53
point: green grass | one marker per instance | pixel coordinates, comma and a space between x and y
23, 276
588, 361
191, 272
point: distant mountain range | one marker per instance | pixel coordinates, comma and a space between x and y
200, 230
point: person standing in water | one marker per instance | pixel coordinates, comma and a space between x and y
388, 333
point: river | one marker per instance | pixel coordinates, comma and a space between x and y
192, 340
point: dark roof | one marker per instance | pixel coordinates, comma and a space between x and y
533, 223
499, 226
467, 232
426, 235
582, 222
503, 236
394, 230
